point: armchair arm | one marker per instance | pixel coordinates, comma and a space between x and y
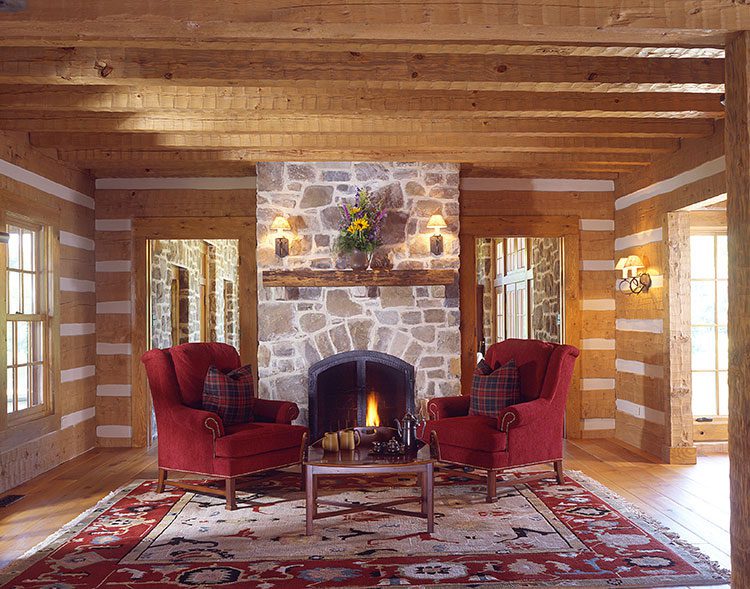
442, 407
198, 421
269, 411
522, 414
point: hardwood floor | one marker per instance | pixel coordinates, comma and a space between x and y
691, 500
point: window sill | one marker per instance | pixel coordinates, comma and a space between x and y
19, 432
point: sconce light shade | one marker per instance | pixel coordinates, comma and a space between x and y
280, 224
4, 237
437, 223
637, 283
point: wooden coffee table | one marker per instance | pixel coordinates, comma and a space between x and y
361, 462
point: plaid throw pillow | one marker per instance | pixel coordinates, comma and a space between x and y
483, 368
229, 395
492, 393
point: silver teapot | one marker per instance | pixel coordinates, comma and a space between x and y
407, 430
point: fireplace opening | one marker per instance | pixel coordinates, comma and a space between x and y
359, 388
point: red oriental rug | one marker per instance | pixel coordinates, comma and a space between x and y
538, 535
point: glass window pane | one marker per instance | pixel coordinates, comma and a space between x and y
9, 341
704, 348
29, 294
702, 299
37, 388
722, 302
704, 393
14, 247
10, 389
723, 349
723, 393
23, 387
722, 260
22, 344
701, 256
37, 342
14, 292
27, 249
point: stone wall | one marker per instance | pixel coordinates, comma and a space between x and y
546, 294
299, 326
222, 265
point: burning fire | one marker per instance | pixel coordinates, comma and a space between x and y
372, 419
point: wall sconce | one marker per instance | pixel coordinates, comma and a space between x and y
632, 281
437, 223
280, 224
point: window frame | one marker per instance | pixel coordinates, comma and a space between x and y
38, 419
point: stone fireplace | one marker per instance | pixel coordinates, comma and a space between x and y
299, 327
358, 388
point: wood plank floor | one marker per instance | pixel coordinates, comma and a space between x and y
691, 500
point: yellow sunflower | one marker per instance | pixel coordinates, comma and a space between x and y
358, 225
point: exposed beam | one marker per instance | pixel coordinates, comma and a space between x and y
91, 158
737, 147
466, 143
237, 122
229, 101
134, 66
239, 24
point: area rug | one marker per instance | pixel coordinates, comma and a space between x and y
537, 535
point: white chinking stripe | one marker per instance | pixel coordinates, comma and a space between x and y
113, 308
536, 184
114, 266
113, 431
639, 368
640, 411
597, 265
597, 384
77, 417
597, 343
598, 423
640, 238
74, 329
640, 325
663, 186
45, 184
598, 305
75, 285
113, 390
73, 374
113, 225
238, 183
596, 224
107, 349
76, 241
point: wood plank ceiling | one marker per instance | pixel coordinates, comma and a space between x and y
564, 88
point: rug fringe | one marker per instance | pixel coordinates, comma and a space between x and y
635, 513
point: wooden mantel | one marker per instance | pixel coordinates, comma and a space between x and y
381, 277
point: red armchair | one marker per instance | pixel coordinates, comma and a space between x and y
527, 433
196, 441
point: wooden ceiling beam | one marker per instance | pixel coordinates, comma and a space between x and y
467, 143
237, 122
240, 24
91, 158
349, 70
267, 101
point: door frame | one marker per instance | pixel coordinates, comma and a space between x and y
243, 229
564, 227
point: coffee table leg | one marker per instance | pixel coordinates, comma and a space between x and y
428, 497
311, 502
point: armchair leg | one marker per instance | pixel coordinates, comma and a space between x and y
229, 491
559, 472
491, 485
163, 474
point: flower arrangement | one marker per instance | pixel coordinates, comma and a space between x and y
361, 224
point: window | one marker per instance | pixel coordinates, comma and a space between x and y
27, 320
710, 351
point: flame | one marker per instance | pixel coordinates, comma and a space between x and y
372, 418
